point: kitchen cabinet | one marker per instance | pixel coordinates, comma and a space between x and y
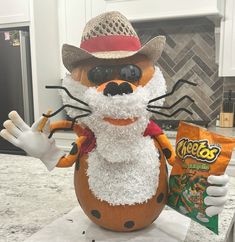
227, 41
45, 55
74, 14
12, 11
72, 18
136, 10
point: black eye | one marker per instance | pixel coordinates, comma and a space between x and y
131, 73
100, 74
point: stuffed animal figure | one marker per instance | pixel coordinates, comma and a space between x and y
120, 177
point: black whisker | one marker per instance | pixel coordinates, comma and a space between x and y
170, 115
173, 105
65, 106
71, 127
69, 94
79, 116
173, 89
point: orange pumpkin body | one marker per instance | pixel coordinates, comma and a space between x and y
121, 217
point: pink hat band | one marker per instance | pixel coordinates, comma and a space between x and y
111, 43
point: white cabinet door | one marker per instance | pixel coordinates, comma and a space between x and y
72, 20
45, 55
227, 41
14, 11
136, 10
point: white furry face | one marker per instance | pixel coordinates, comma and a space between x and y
113, 139
117, 107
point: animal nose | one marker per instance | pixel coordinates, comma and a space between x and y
113, 88
116, 87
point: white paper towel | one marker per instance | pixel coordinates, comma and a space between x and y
76, 227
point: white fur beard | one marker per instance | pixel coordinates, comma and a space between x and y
129, 182
111, 139
119, 143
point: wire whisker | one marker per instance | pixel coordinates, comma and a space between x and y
170, 115
173, 105
79, 116
173, 90
63, 107
69, 94
71, 127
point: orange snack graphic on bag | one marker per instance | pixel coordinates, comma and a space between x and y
199, 154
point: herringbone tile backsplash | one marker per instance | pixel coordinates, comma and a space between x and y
189, 54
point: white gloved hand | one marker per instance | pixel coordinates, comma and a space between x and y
32, 141
217, 194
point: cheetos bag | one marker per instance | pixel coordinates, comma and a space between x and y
199, 153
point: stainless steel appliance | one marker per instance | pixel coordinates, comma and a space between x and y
15, 79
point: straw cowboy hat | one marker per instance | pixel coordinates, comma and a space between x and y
110, 36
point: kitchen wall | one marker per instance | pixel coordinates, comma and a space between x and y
229, 84
189, 54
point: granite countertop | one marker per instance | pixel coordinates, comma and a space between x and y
230, 132
31, 198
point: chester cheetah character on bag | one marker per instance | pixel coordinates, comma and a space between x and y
120, 174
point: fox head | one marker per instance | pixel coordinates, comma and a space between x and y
117, 92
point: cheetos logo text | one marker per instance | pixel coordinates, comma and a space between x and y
200, 150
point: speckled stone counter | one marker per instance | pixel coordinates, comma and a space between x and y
31, 198
223, 131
